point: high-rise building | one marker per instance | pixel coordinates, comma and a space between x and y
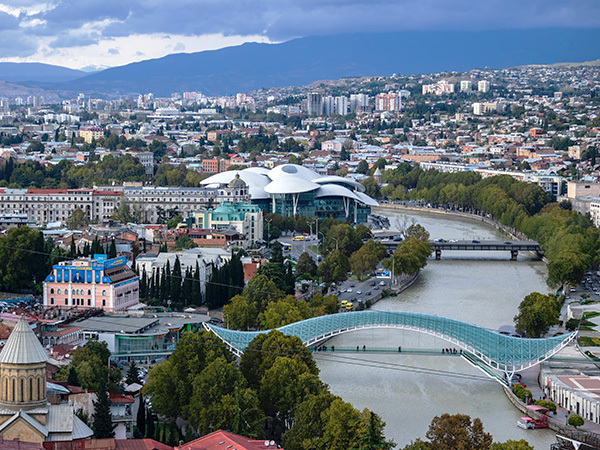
314, 104
439, 88
328, 105
465, 86
358, 101
391, 102
483, 86
341, 105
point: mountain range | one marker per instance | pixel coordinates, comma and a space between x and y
304, 60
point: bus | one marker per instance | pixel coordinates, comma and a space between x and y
298, 238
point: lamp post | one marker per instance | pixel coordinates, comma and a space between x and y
319, 233
336, 242
268, 230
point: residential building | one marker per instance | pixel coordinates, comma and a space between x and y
215, 165
465, 86
391, 102
578, 189
440, 88
483, 86
91, 133
359, 102
314, 104
93, 282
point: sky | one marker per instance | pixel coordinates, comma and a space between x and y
105, 33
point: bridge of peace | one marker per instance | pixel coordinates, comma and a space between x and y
488, 350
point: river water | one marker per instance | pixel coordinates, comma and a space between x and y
408, 391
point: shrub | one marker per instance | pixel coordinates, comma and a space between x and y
575, 420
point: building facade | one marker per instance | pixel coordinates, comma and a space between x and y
88, 283
150, 203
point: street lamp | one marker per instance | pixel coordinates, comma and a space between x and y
318, 245
268, 230
336, 242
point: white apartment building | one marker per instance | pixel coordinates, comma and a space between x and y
440, 88
465, 86
56, 205
483, 86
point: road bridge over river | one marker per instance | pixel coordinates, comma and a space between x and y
391, 240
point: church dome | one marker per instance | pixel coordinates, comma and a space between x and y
23, 346
237, 182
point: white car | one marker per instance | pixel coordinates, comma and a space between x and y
349, 290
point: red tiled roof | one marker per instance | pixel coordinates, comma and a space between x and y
140, 444
118, 398
220, 440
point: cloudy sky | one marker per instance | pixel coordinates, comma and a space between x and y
82, 33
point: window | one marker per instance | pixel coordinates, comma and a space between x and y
89, 292
58, 292
52, 291
104, 292
103, 302
52, 300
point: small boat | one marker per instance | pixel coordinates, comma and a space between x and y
527, 423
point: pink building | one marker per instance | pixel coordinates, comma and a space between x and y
92, 283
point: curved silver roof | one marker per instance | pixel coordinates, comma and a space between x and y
364, 198
335, 190
251, 178
23, 346
290, 185
341, 180
294, 170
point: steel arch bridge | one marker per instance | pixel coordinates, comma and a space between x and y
495, 350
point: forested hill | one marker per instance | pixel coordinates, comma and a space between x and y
302, 61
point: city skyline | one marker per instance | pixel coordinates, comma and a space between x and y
105, 34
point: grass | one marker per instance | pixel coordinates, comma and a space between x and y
586, 341
590, 314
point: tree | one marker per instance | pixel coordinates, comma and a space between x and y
308, 423
72, 379
77, 219
102, 418
450, 432
132, 374
575, 420
511, 445
342, 237
334, 267
363, 167
410, 256
283, 312
536, 312
239, 313
122, 212
363, 261
140, 420
374, 438
306, 266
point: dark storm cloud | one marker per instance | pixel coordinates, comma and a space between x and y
75, 22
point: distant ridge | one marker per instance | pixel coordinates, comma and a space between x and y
302, 61
36, 72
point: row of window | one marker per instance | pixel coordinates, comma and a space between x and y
77, 302
75, 291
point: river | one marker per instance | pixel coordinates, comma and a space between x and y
408, 391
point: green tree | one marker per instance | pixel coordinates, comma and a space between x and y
306, 266
183, 242
536, 312
102, 419
334, 267
342, 237
575, 420
363, 167
308, 424
511, 445
451, 432
283, 312
133, 375
77, 219
25, 263
342, 427
374, 438
260, 291
239, 313
140, 420
286, 384
363, 261
410, 256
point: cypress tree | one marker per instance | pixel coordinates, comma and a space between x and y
73, 249
197, 287
102, 419
140, 420
143, 284
150, 429
176, 282
132, 374
112, 250
72, 378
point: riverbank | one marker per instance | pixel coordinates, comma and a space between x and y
591, 431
